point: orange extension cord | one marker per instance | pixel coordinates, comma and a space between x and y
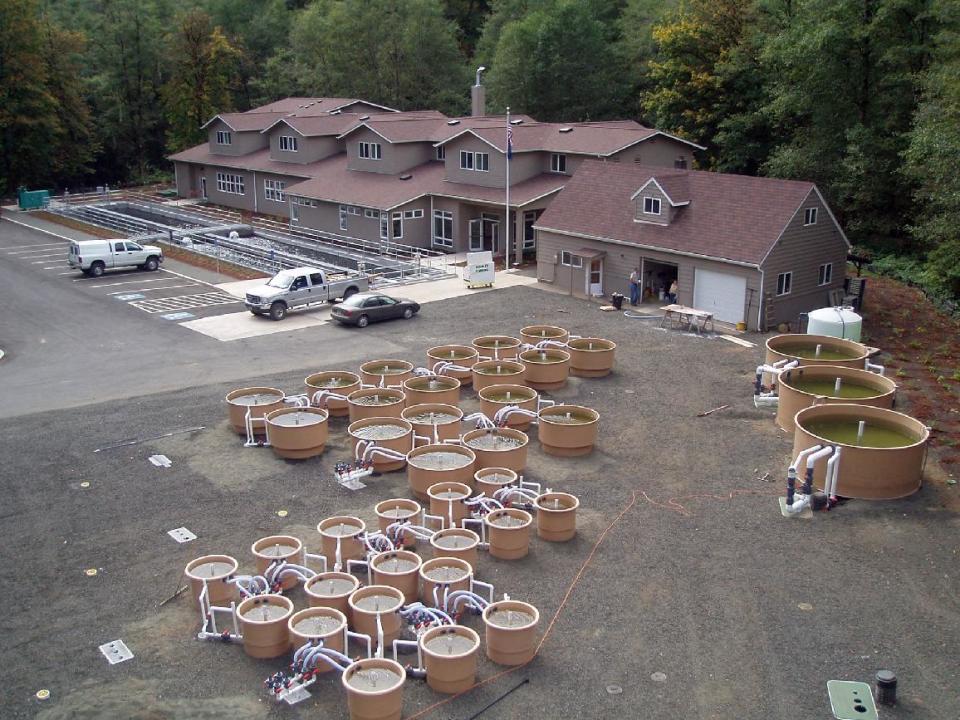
673, 504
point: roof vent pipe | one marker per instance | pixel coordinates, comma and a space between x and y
478, 99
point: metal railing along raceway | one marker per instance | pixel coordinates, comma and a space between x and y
261, 244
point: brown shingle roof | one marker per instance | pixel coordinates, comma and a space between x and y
241, 122
730, 217
315, 125
259, 161
334, 182
309, 105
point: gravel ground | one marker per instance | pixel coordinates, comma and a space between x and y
702, 601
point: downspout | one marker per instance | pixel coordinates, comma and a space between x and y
760, 328
255, 191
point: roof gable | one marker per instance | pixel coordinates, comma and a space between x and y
678, 196
734, 218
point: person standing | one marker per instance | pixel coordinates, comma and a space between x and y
634, 287
672, 293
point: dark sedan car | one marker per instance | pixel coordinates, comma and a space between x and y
362, 309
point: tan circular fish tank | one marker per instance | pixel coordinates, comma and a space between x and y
456, 543
463, 356
568, 430
386, 373
494, 398
879, 460
263, 624
447, 501
431, 464
498, 447
497, 347
435, 389
498, 372
258, 401
376, 402
338, 382
391, 433
214, 570
533, 334
374, 689
450, 658
511, 632
317, 624
399, 569
557, 516
367, 603
268, 550
491, 479
435, 421
816, 350
451, 573
547, 369
297, 433
346, 531
808, 385
331, 590
400, 510
591, 357
508, 532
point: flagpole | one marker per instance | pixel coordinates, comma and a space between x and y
506, 257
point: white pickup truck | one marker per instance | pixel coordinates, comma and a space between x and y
94, 257
302, 286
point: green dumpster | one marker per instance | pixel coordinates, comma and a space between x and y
33, 199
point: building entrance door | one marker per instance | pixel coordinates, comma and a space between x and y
485, 234
595, 277
203, 187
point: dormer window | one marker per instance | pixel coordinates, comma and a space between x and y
558, 163
810, 216
651, 206
224, 137
370, 151
288, 143
474, 161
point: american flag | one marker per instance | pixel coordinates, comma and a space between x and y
509, 140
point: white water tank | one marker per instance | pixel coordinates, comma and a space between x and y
841, 322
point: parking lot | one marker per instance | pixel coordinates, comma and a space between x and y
685, 593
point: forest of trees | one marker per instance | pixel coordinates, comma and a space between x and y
860, 96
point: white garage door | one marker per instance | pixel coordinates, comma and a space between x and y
720, 293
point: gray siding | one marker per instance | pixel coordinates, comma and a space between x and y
395, 157
801, 250
658, 151
309, 149
241, 143
620, 260
666, 212
523, 166
326, 217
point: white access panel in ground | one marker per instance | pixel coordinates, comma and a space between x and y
720, 293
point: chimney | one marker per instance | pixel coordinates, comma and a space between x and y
478, 99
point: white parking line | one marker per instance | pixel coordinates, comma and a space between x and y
41, 262
183, 302
39, 255
127, 282
150, 289
18, 249
68, 272
55, 267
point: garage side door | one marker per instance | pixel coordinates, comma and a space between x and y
720, 293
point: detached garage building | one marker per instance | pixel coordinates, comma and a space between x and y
754, 250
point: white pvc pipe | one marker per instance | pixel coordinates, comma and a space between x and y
833, 471
873, 367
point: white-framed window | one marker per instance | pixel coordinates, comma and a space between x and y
529, 238
397, 229
784, 283
825, 274
443, 228
353, 210
810, 216
306, 202
384, 225
442, 152
368, 213
343, 217
370, 151
289, 143
680, 163
224, 137
412, 214
558, 163
651, 205
230, 183
570, 260
273, 190
474, 161
294, 211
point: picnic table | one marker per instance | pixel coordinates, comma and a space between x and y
688, 317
